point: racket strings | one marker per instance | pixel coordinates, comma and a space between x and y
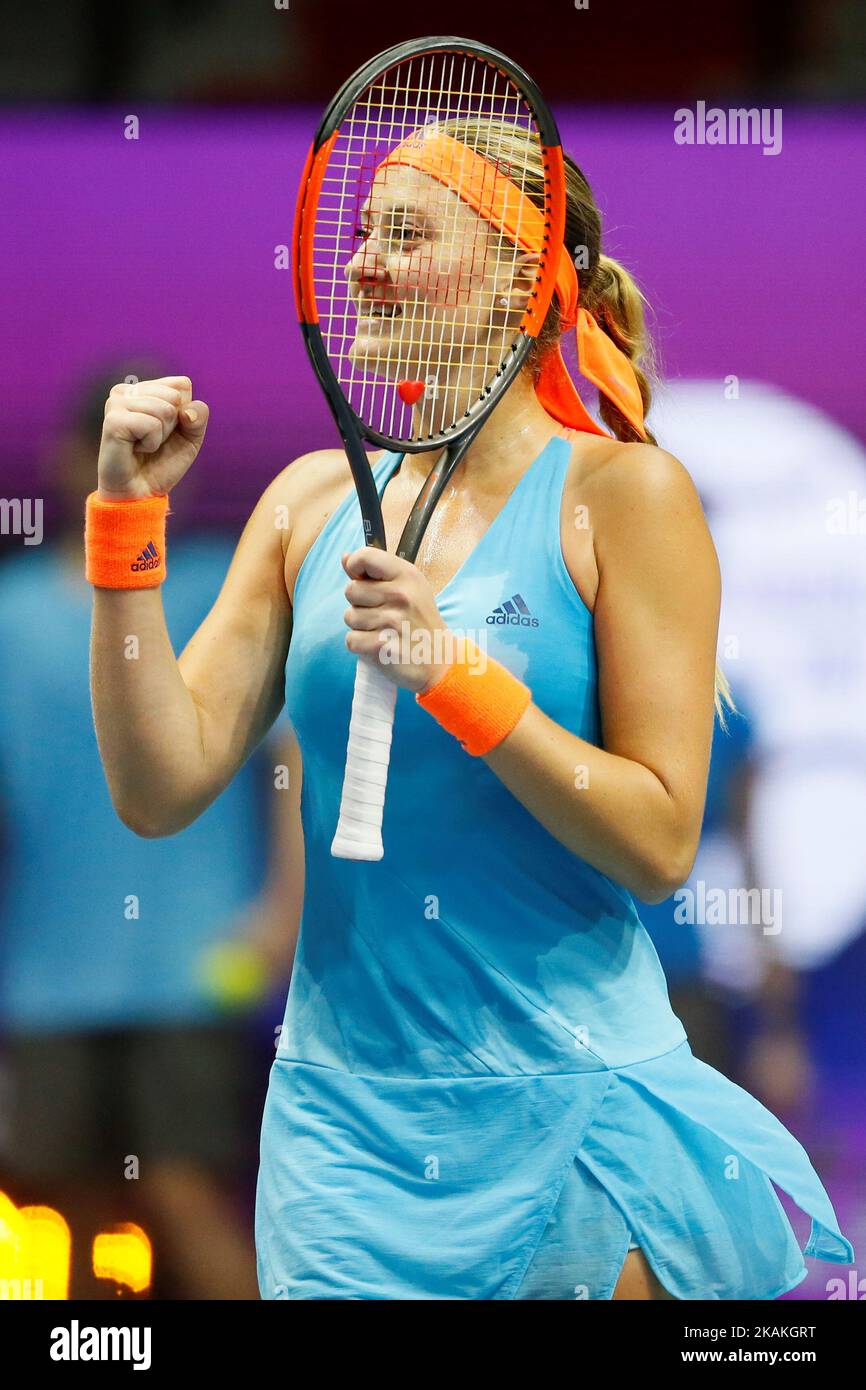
452, 334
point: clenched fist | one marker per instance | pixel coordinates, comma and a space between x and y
151, 435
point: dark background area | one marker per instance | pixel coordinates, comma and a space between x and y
223, 51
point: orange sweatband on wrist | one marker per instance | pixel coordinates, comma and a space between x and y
124, 542
479, 706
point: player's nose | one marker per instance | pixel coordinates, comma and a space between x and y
366, 266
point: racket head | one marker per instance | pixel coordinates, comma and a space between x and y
417, 307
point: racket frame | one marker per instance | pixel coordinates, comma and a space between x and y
375, 695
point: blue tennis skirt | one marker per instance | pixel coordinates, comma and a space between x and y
546, 1181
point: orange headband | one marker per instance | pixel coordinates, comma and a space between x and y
498, 199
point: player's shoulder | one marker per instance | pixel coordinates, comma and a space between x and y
315, 474
616, 477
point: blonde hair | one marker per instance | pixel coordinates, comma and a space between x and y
607, 290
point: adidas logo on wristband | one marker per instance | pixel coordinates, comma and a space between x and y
147, 560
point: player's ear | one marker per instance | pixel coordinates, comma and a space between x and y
524, 274
527, 264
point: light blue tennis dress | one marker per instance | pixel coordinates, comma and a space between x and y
480, 1089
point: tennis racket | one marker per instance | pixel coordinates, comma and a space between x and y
414, 311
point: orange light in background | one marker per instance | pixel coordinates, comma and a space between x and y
47, 1251
11, 1237
35, 1252
125, 1256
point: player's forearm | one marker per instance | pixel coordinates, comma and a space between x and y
147, 724
613, 813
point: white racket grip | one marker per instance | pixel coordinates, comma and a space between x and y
359, 829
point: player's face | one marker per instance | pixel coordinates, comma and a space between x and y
427, 282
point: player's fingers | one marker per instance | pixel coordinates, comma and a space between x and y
369, 619
168, 386
161, 414
370, 643
376, 563
366, 593
146, 431
192, 420
159, 406
130, 394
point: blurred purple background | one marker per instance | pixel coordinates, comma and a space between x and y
165, 245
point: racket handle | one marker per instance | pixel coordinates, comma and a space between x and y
359, 829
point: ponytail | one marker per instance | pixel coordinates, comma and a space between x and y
617, 305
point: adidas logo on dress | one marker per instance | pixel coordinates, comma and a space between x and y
512, 613
147, 560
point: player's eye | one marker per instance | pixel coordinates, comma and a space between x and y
405, 232
362, 233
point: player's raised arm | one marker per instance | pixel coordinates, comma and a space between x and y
171, 732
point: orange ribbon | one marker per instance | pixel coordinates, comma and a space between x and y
495, 197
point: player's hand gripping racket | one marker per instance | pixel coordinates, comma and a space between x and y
422, 276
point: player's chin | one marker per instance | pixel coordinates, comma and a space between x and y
377, 355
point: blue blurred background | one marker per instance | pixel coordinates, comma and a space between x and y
149, 160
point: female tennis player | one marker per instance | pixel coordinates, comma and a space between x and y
480, 1089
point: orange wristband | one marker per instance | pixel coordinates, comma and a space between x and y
480, 706
124, 542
